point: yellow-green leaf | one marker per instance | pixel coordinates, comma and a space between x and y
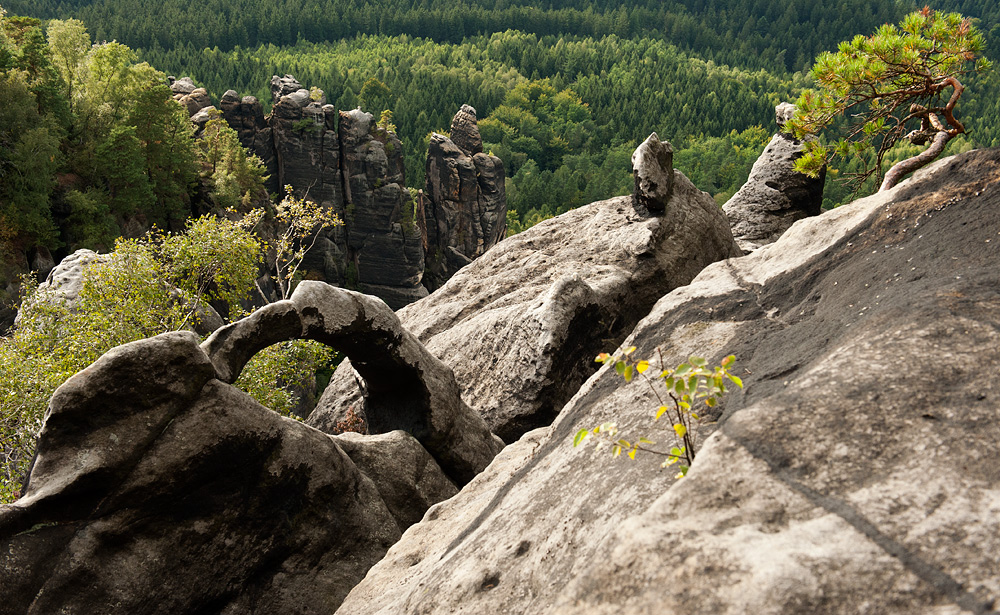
642, 366
631, 454
680, 430
660, 412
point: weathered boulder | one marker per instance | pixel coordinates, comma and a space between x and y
407, 477
520, 325
66, 280
195, 101
465, 202
182, 86
653, 172
855, 473
159, 489
383, 242
406, 386
775, 195
203, 117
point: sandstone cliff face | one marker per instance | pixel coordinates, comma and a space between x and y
855, 473
465, 202
345, 162
382, 235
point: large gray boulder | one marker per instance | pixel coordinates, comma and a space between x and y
520, 325
464, 201
775, 195
157, 488
855, 473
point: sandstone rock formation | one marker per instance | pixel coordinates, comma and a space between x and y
159, 488
344, 162
406, 386
775, 195
246, 116
465, 202
653, 172
191, 97
855, 473
382, 235
306, 145
520, 326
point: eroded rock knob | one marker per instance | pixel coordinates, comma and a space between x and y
653, 170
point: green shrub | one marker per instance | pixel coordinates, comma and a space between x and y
128, 295
684, 388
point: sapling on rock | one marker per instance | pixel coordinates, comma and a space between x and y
681, 392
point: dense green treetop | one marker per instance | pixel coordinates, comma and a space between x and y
897, 79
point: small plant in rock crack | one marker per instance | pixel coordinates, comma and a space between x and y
681, 392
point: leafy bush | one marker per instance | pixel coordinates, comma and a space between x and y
683, 389
144, 288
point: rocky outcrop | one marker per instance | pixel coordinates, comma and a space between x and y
246, 116
159, 488
191, 97
383, 240
406, 387
346, 163
521, 325
854, 472
464, 199
775, 195
653, 172
306, 145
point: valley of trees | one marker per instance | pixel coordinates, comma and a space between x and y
564, 93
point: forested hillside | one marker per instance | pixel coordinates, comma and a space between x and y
564, 90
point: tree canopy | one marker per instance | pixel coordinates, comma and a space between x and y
887, 83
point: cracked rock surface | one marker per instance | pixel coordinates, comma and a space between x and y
855, 473
520, 326
159, 488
